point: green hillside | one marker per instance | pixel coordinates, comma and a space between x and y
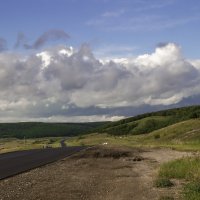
137, 125
149, 122
182, 132
37, 130
183, 135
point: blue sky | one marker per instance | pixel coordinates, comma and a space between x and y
94, 60
137, 26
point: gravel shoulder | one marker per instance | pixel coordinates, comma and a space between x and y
100, 173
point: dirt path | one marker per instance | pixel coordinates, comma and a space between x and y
95, 174
148, 169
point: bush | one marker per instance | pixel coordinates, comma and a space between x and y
157, 136
166, 198
163, 182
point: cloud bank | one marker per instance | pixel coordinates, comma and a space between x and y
66, 84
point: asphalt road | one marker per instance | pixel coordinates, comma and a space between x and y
17, 162
62, 143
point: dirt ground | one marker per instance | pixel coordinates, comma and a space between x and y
98, 173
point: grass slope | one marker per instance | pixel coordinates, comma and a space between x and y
182, 132
182, 135
149, 122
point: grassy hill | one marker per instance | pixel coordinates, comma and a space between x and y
183, 135
182, 132
37, 130
149, 122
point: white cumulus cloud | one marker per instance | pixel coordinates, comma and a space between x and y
53, 81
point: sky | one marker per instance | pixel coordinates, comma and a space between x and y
97, 60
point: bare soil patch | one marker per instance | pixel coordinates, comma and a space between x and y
97, 173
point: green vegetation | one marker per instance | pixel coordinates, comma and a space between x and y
166, 198
191, 191
95, 139
138, 125
187, 169
183, 135
149, 122
13, 144
185, 131
163, 182
38, 130
184, 168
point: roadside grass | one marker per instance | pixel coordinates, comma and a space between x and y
132, 141
98, 139
184, 168
13, 144
187, 169
191, 191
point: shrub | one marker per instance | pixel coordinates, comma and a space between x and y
163, 182
157, 136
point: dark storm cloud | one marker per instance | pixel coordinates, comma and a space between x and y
162, 44
21, 40
50, 35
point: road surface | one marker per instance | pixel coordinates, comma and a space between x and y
62, 143
17, 162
